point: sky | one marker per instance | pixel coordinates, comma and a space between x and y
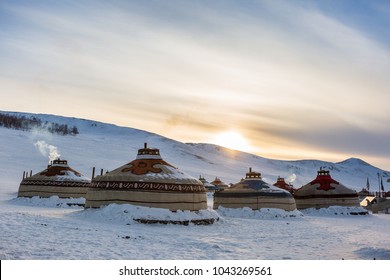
281, 79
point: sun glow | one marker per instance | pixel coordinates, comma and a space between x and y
232, 140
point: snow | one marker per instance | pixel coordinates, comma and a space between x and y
53, 228
169, 173
336, 210
53, 201
71, 176
265, 213
48, 229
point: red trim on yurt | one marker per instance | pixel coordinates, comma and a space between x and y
324, 180
144, 166
281, 183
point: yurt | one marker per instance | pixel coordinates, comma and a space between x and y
281, 183
58, 179
148, 181
323, 192
219, 183
209, 187
254, 193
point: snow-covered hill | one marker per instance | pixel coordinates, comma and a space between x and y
107, 146
49, 229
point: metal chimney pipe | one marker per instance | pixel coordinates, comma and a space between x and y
93, 172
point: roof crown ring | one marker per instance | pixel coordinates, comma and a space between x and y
252, 174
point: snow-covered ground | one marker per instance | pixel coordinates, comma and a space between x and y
50, 229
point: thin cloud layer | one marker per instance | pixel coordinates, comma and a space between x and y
297, 79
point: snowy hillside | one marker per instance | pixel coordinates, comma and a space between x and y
106, 146
49, 229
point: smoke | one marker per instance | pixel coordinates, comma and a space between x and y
47, 150
291, 178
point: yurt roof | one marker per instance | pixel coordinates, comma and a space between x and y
324, 183
205, 182
218, 182
58, 170
148, 167
254, 182
280, 182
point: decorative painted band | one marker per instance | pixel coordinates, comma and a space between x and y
352, 195
148, 186
55, 183
146, 202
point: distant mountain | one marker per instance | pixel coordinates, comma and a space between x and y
108, 146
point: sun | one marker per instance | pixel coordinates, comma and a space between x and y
232, 140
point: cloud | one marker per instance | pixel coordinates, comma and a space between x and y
275, 69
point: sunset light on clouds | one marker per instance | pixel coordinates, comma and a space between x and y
294, 79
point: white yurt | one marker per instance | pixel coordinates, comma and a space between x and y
323, 192
58, 179
148, 181
209, 187
218, 183
254, 193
